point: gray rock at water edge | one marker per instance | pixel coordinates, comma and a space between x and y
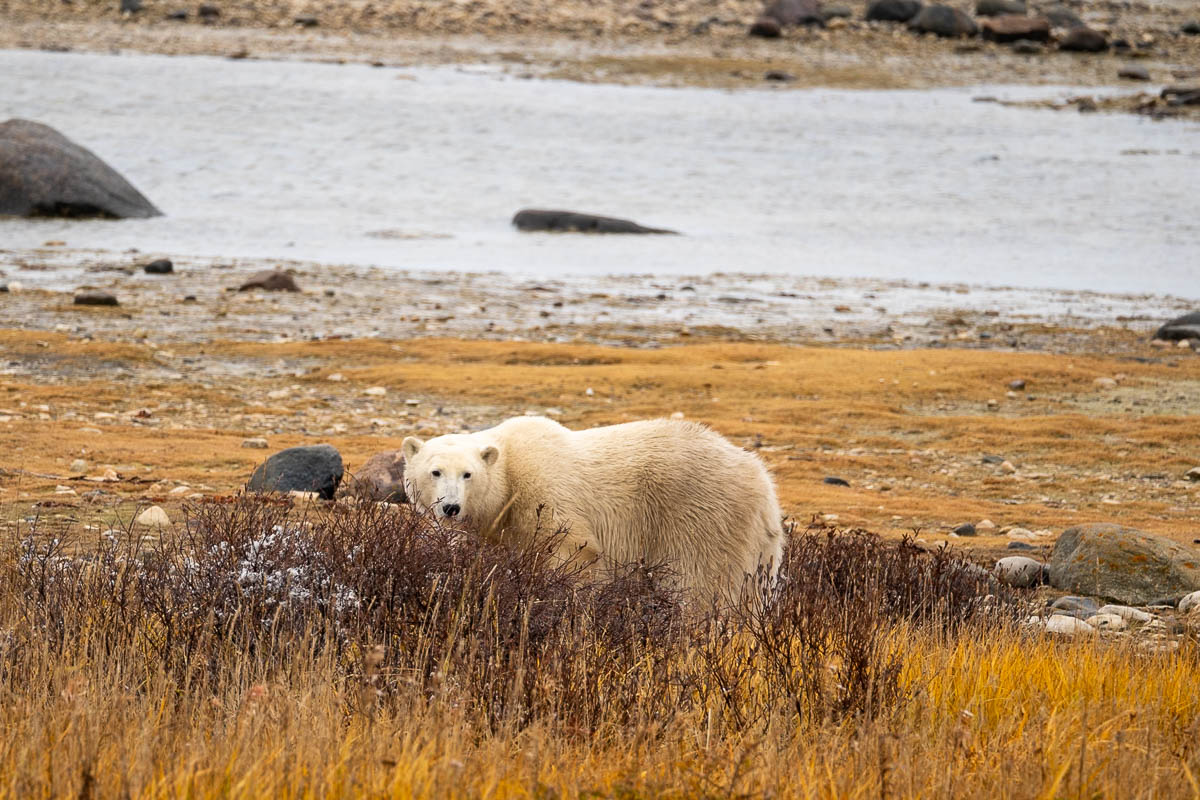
1185, 327
1133, 72
1080, 607
161, 266
764, 28
381, 478
271, 281
893, 10
1015, 28
533, 219
95, 299
1061, 16
996, 8
1083, 40
1019, 572
795, 12
1123, 564
312, 468
45, 174
945, 21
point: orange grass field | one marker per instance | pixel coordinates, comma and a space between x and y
988, 712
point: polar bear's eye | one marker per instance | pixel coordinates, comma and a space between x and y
437, 473
466, 475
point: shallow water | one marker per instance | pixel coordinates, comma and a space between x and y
423, 168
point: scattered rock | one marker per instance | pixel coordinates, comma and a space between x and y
91, 298
1008, 466
1083, 40
375, 391
381, 478
1067, 626
945, 21
270, 280
778, 75
1026, 47
1014, 28
991, 459
893, 10
312, 468
764, 27
1019, 572
131, 6
985, 525
1185, 327
1127, 613
208, 12
1016, 385
998, 8
1020, 546
255, 444
153, 517
1189, 603
162, 266
1107, 622
1061, 16
1123, 564
1192, 28
1133, 72
79, 467
795, 12
837, 12
532, 219
966, 529
1192, 474
45, 174
834, 481
1105, 383
179, 15
306, 22
1080, 607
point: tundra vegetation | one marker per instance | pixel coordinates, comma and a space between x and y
262, 649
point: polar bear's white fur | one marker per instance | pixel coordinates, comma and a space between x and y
658, 491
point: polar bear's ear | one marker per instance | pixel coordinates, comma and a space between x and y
489, 455
411, 446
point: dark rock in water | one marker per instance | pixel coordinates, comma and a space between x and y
766, 28
835, 481
380, 479
1027, 47
778, 76
795, 12
1014, 28
1185, 327
1133, 73
271, 280
944, 21
966, 529
997, 8
532, 219
1078, 607
1061, 17
162, 266
893, 10
45, 174
1083, 40
1123, 564
95, 299
313, 468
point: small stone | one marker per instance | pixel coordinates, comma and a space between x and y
1193, 474
1019, 572
1105, 383
1017, 385
153, 517
835, 481
271, 281
778, 75
180, 490
766, 28
1067, 626
893, 10
336, 377
993, 404
162, 266
1028, 47
1191, 28
375, 391
679, 415
209, 12
279, 394
131, 6
255, 444
79, 466
95, 299
1184, 344
1080, 607
1127, 613
985, 525
1020, 546
306, 22
989, 459
1107, 622
966, 529
1134, 73
179, 15
1024, 534
1008, 466
1083, 40
1189, 603
412, 402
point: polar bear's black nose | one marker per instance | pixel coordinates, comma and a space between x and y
451, 509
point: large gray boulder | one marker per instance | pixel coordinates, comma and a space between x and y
945, 21
313, 468
1123, 564
535, 219
380, 478
1185, 327
45, 174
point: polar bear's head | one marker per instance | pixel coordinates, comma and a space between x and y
450, 476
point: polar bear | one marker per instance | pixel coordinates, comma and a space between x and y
658, 491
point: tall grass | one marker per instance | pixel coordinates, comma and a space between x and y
265, 650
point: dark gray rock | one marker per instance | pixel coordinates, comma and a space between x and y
945, 21
766, 28
179, 15
381, 478
161, 266
1191, 28
1133, 72
208, 12
1026, 47
1017, 385
45, 174
1015, 28
996, 8
893, 10
91, 298
837, 12
966, 529
271, 281
1181, 95
1123, 564
1185, 327
778, 76
1019, 572
306, 21
533, 219
1078, 607
835, 481
1061, 17
313, 468
795, 12
131, 6
1083, 40
1020, 546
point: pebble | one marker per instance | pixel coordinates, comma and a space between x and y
153, 517
679, 415
178, 490
1105, 383
1016, 385
79, 466
966, 529
1023, 534
162, 266
1019, 571
279, 394
1192, 474
1107, 622
1127, 613
835, 481
1190, 603
95, 299
336, 377
1069, 626
255, 444
1008, 467
1020, 546
1134, 73
985, 525
1080, 607
375, 391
